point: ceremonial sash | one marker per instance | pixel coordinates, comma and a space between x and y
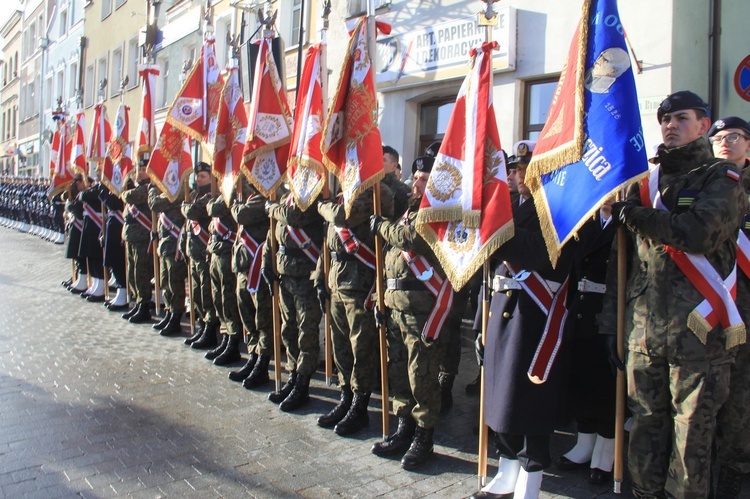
743, 253
719, 304
222, 230
117, 215
355, 247
174, 231
140, 217
303, 241
552, 305
95, 217
199, 233
78, 223
256, 251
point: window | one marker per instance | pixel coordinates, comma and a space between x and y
63, 22
106, 8
101, 74
433, 121
72, 80
161, 90
359, 7
31, 40
59, 85
49, 91
538, 97
134, 57
90, 85
31, 101
119, 3
222, 47
14, 122
291, 22
116, 77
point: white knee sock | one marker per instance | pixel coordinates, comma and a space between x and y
528, 485
505, 479
581, 453
604, 453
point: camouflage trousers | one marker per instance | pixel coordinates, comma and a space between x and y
355, 340
413, 369
674, 404
173, 275
733, 438
300, 323
256, 315
202, 299
452, 330
140, 271
223, 286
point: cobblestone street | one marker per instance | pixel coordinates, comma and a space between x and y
93, 406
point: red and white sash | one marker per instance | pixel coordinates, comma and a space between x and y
174, 231
95, 216
552, 304
743, 253
141, 218
78, 223
117, 215
303, 241
221, 230
718, 306
355, 247
256, 250
439, 286
198, 232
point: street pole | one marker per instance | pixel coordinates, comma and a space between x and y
43, 44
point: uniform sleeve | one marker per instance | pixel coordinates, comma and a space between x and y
217, 208
404, 237
197, 210
137, 195
251, 211
157, 201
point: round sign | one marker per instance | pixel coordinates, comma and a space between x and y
742, 79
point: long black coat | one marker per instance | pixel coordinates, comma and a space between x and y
90, 247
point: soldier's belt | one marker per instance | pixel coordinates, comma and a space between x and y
343, 257
502, 283
586, 286
404, 285
291, 252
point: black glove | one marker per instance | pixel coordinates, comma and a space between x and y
614, 360
101, 240
380, 318
620, 211
267, 206
323, 295
375, 221
154, 236
270, 277
479, 349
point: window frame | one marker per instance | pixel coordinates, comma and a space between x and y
526, 127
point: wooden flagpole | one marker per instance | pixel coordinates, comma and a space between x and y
622, 270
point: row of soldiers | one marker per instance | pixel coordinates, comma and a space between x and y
24, 205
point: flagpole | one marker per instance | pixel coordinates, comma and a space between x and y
155, 254
622, 270
105, 271
186, 191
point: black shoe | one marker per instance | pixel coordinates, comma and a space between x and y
198, 332
231, 352
562, 463
76, 291
598, 477
142, 315
163, 323
474, 386
174, 326
281, 395
420, 450
67, 284
357, 418
729, 485
398, 441
117, 308
208, 338
336, 414
259, 375
481, 494
446, 389
299, 395
243, 373
212, 354
95, 298
130, 313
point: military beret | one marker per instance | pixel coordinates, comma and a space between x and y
202, 166
522, 152
433, 148
143, 162
679, 101
730, 122
422, 164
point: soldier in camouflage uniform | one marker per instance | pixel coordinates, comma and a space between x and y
173, 267
136, 232
197, 236
413, 361
399, 190
224, 282
677, 369
253, 296
731, 141
299, 235
351, 281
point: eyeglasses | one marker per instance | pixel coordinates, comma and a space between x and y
731, 138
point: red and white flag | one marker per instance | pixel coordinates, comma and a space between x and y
61, 176
78, 163
269, 126
352, 147
147, 129
305, 168
118, 164
465, 214
230, 134
101, 134
171, 160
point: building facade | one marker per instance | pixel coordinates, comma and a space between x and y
10, 90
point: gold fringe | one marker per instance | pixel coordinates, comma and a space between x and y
265, 148
157, 181
735, 336
441, 214
181, 127
471, 218
267, 193
220, 181
313, 164
362, 188
698, 326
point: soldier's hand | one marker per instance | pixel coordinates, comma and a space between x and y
620, 211
101, 240
269, 276
154, 236
269, 205
479, 349
375, 221
323, 295
380, 318
614, 359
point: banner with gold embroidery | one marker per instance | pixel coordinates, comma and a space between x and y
171, 161
230, 134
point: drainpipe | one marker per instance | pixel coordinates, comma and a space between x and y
715, 76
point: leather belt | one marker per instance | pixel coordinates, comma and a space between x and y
404, 285
342, 257
502, 283
586, 286
291, 252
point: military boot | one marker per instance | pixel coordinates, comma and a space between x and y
281, 395
208, 338
729, 485
163, 323
259, 375
130, 313
474, 386
212, 354
337, 413
142, 315
243, 373
199, 326
299, 395
231, 352
357, 417
398, 441
446, 389
174, 326
420, 450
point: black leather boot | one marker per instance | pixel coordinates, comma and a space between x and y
337, 413
142, 315
259, 375
419, 451
446, 388
245, 371
130, 313
357, 417
174, 326
199, 326
163, 323
299, 395
281, 395
473, 387
208, 338
231, 352
212, 354
398, 441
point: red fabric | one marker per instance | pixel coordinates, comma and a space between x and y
230, 135
147, 131
118, 164
78, 164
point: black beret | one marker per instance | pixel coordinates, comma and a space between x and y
202, 166
433, 148
679, 101
422, 164
730, 122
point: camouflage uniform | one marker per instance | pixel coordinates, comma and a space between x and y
400, 192
137, 238
173, 267
195, 211
255, 308
300, 310
676, 382
223, 280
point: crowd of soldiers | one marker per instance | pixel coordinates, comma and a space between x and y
687, 389
24, 206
